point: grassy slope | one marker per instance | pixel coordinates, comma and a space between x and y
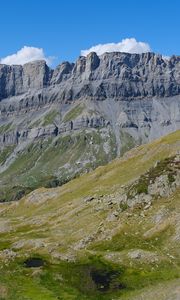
53, 225
42, 162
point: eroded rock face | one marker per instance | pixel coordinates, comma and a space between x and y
62, 72
117, 76
112, 75
134, 98
10, 80
15, 80
36, 75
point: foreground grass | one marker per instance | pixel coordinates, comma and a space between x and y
68, 280
51, 223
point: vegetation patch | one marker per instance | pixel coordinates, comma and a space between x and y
5, 152
91, 278
50, 117
5, 128
42, 163
127, 141
14, 193
128, 239
74, 113
35, 124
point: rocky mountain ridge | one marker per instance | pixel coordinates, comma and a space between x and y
112, 75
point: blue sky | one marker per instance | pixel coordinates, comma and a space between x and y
64, 28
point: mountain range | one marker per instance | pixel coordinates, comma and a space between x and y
81, 115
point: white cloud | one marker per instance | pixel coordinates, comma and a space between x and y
25, 55
126, 45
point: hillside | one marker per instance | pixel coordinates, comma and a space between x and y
111, 234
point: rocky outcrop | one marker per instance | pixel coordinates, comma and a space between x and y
15, 80
159, 182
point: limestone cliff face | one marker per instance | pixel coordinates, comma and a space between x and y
136, 97
112, 75
15, 80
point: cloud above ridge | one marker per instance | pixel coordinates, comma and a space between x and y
130, 45
25, 55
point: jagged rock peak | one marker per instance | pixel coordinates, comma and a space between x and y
61, 72
92, 61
